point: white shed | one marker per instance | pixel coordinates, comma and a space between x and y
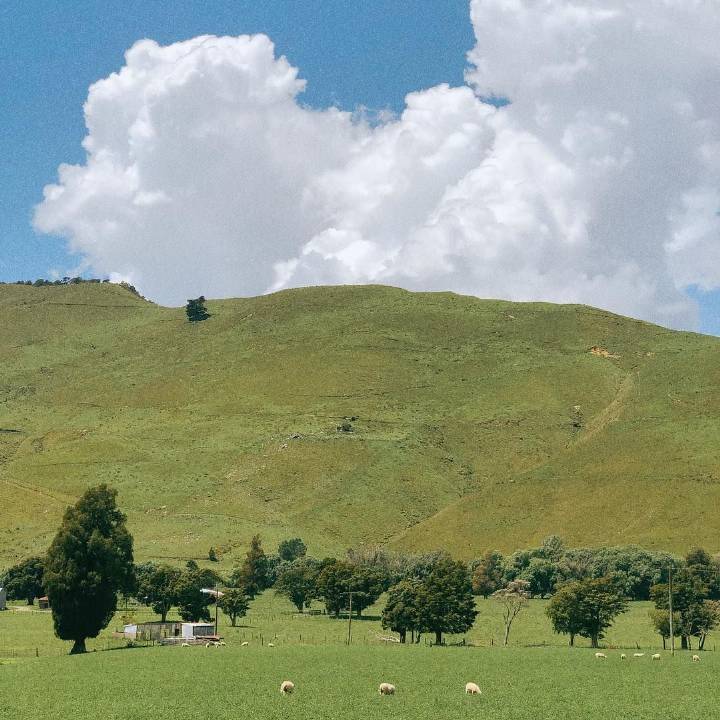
192, 630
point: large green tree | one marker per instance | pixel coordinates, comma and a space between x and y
234, 604
192, 603
401, 613
446, 601
488, 574
297, 581
292, 549
89, 562
195, 310
334, 584
157, 587
586, 608
24, 581
252, 575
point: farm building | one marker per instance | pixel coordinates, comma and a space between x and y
168, 630
44, 603
3, 599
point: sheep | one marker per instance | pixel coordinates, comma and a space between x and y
207, 644
185, 645
286, 687
271, 645
386, 689
656, 656
601, 656
638, 654
222, 643
472, 689
696, 658
244, 644
623, 656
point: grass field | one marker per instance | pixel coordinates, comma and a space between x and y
341, 682
23, 635
480, 424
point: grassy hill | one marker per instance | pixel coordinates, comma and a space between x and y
478, 423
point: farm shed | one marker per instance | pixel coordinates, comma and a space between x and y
197, 630
152, 630
44, 603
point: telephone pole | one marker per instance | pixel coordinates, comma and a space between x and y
672, 629
349, 639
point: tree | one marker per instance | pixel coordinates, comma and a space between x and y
488, 574
661, 622
689, 593
586, 608
234, 604
367, 585
446, 601
157, 587
195, 310
24, 581
252, 575
540, 575
334, 584
513, 599
193, 604
89, 562
292, 549
297, 582
401, 612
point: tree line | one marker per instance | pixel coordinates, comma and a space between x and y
90, 564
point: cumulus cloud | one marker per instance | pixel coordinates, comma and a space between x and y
598, 183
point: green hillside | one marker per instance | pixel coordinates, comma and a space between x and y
478, 423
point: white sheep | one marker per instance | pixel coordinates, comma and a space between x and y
696, 658
271, 645
222, 643
638, 654
472, 689
623, 656
601, 656
244, 644
386, 689
656, 656
185, 645
286, 687
208, 644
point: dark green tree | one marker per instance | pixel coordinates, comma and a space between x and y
234, 604
192, 603
24, 581
446, 601
586, 608
89, 562
688, 594
487, 576
401, 613
367, 585
157, 587
195, 310
334, 583
292, 549
252, 575
297, 581
540, 574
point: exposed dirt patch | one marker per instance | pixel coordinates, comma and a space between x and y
602, 352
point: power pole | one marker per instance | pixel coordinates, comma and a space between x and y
349, 640
672, 629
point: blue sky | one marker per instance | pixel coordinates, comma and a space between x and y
372, 53
369, 53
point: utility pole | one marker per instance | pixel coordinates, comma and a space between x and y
672, 629
349, 640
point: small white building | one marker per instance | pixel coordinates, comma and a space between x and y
190, 630
3, 599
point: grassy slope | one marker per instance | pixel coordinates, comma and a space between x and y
464, 437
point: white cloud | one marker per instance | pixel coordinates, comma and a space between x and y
599, 183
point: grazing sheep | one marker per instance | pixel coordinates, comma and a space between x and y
472, 689
286, 687
244, 644
386, 689
638, 654
271, 645
601, 656
656, 656
208, 644
696, 658
623, 656
222, 643
185, 645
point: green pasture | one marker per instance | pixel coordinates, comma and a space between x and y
272, 619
